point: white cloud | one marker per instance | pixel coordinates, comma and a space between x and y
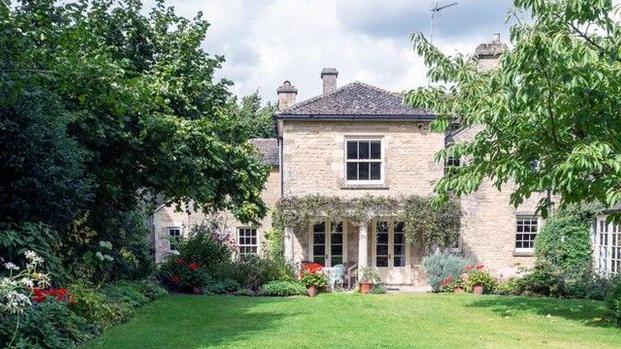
268, 41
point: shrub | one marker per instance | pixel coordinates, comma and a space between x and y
479, 277
614, 303
97, 308
226, 286
49, 324
253, 271
378, 289
511, 287
283, 288
148, 288
125, 294
204, 248
440, 266
179, 275
565, 243
315, 279
370, 275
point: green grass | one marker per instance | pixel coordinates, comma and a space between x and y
372, 321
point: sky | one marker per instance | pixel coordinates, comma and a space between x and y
266, 42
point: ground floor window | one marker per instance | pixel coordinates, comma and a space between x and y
247, 241
328, 243
607, 245
526, 232
174, 233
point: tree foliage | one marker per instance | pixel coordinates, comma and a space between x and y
258, 117
554, 98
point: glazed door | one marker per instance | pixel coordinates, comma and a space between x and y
390, 251
328, 243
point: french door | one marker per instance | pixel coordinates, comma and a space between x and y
389, 245
328, 243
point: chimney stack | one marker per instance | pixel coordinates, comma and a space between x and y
286, 95
329, 75
489, 53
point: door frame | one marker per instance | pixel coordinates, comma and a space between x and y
328, 241
391, 244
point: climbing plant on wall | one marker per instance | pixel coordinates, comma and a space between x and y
427, 225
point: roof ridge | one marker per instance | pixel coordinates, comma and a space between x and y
316, 98
378, 89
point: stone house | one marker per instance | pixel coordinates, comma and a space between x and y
359, 140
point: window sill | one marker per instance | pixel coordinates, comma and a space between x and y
523, 253
365, 186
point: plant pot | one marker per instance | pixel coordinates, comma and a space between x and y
478, 290
458, 290
312, 291
197, 290
366, 287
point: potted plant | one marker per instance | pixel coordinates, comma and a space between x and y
313, 282
369, 276
479, 282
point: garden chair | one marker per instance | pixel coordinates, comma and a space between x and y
351, 274
336, 276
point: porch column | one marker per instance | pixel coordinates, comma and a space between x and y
289, 245
363, 243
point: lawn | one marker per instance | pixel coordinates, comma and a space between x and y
374, 321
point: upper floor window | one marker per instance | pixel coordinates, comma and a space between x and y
526, 232
174, 233
364, 160
451, 164
247, 241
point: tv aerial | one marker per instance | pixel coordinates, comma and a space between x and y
436, 11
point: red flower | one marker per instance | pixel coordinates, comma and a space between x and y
194, 266
480, 266
447, 281
61, 294
175, 279
180, 261
469, 268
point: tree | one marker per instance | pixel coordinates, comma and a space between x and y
555, 98
258, 118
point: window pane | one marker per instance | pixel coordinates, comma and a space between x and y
337, 238
363, 150
336, 250
336, 260
399, 238
382, 250
319, 227
399, 227
352, 150
399, 250
319, 238
382, 227
376, 150
382, 261
399, 261
320, 259
352, 171
363, 173
376, 171
319, 250
382, 238
337, 227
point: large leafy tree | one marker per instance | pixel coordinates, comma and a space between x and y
555, 98
256, 116
102, 108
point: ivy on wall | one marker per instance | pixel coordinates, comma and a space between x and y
426, 224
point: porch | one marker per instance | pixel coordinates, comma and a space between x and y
380, 243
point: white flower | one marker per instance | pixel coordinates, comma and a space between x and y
105, 244
10, 266
109, 258
99, 256
33, 257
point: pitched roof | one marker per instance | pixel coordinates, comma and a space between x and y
355, 101
613, 209
268, 147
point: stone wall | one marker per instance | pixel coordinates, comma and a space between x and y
169, 216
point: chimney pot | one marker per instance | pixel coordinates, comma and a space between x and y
329, 75
286, 95
496, 37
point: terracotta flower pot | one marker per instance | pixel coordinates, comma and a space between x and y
365, 287
458, 290
478, 290
312, 291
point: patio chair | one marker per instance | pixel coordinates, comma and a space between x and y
336, 276
351, 274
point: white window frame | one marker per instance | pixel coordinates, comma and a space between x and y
381, 160
391, 244
244, 245
607, 247
327, 241
529, 250
170, 236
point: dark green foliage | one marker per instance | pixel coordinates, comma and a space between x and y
148, 288
283, 288
253, 271
226, 286
46, 325
37, 237
204, 248
123, 293
258, 119
177, 274
440, 266
97, 308
565, 243
614, 303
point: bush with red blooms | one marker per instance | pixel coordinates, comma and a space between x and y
310, 268
39, 295
181, 276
